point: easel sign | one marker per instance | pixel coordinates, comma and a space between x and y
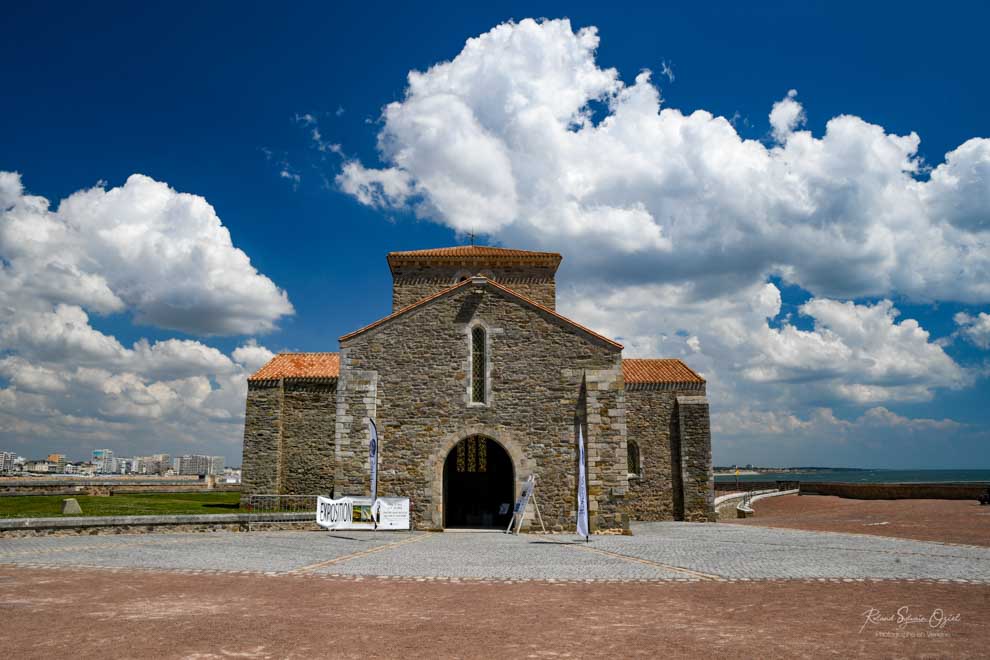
519, 511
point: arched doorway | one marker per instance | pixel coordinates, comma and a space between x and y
478, 484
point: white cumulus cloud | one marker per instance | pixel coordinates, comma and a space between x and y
786, 115
673, 224
143, 247
974, 328
144, 250
500, 140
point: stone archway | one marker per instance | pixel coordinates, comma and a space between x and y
478, 484
505, 439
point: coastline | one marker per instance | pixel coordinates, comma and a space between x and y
862, 476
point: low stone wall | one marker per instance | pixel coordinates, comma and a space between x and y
726, 505
731, 487
93, 525
745, 509
26, 486
948, 491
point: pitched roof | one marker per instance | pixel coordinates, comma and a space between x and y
480, 280
300, 365
667, 370
474, 254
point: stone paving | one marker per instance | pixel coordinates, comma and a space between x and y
655, 552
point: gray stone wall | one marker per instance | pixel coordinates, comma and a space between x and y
651, 420
356, 404
419, 364
289, 431
696, 458
411, 284
604, 414
648, 420
309, 414
262, 438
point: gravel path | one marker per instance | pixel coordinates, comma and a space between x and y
103, 614
952, 521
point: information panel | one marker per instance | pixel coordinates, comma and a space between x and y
391, 512
520, 509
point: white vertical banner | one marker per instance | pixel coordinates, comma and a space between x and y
373, 459
582, 493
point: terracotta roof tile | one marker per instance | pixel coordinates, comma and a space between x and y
488, 282
475, 253
300, 365
658, 371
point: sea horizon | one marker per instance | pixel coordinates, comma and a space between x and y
866, 475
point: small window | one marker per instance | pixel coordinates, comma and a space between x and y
478, 360
633, 457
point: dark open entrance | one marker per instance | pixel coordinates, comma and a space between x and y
478, 484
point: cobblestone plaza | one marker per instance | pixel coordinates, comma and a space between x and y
656, 552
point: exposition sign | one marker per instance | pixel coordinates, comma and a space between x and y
357, 512
335, 514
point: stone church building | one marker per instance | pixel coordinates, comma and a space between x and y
475, 383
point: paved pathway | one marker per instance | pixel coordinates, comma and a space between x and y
656, 551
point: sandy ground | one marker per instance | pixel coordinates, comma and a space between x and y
948, 521
110, 614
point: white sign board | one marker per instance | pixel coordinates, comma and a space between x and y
335, 514
356, 513
391, 512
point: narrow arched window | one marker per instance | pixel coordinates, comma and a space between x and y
632, 450
478, 359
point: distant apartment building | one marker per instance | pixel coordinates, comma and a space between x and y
7, 459
146, 465
59, 461
156, 464
164, 462
192, 464
199, 464
104, 461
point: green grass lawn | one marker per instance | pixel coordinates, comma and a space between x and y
50, 506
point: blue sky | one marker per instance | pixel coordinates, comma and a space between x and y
221, 101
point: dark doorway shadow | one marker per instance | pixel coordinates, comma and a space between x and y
478, 485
